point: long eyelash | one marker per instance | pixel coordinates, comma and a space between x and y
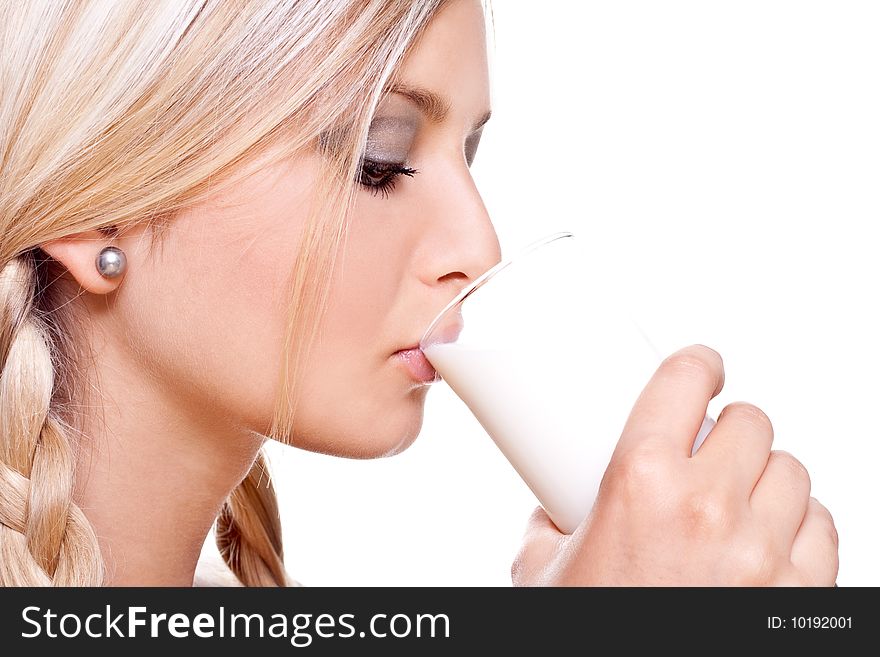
390, 173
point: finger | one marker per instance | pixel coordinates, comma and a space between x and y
780, 498
672, 406
815, 550
540, 543
738, 447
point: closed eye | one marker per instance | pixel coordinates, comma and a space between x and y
381, 177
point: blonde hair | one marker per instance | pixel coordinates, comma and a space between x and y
113, 114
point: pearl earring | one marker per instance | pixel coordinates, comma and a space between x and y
110, 262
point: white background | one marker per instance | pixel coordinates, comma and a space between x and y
726, 159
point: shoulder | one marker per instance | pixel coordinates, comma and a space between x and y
211, 570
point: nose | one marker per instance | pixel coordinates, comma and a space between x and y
463, 242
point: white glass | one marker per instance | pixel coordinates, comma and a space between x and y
550, 366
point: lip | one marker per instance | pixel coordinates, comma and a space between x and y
417, 365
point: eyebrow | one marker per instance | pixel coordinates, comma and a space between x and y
434, 106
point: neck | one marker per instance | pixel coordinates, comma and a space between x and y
153, 473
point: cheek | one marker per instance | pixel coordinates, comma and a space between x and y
219, 338
357, 335
369, 281
355, 400
209, 311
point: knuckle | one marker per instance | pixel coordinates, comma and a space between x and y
704, 512
516, 569
825, 514
535, 519
754, 563
834, 559
749, 414
527, 566
519, 566
696, 360
794, 469
638, 472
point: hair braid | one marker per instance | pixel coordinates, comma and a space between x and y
248, 530
45, 539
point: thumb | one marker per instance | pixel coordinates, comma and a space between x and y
541, 541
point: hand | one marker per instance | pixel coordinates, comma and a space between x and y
736, 513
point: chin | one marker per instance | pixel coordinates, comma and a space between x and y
400, 446
371, 438
387, 442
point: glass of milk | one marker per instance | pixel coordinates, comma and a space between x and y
549, 365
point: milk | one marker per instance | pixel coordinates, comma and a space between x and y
537, 426
552, 417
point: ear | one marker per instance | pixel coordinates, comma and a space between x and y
78, 254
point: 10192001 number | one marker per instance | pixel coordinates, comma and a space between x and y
809, 623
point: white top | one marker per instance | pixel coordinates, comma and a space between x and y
211, 570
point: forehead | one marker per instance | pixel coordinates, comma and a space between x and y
450, 56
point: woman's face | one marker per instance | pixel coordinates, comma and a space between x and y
205, 312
